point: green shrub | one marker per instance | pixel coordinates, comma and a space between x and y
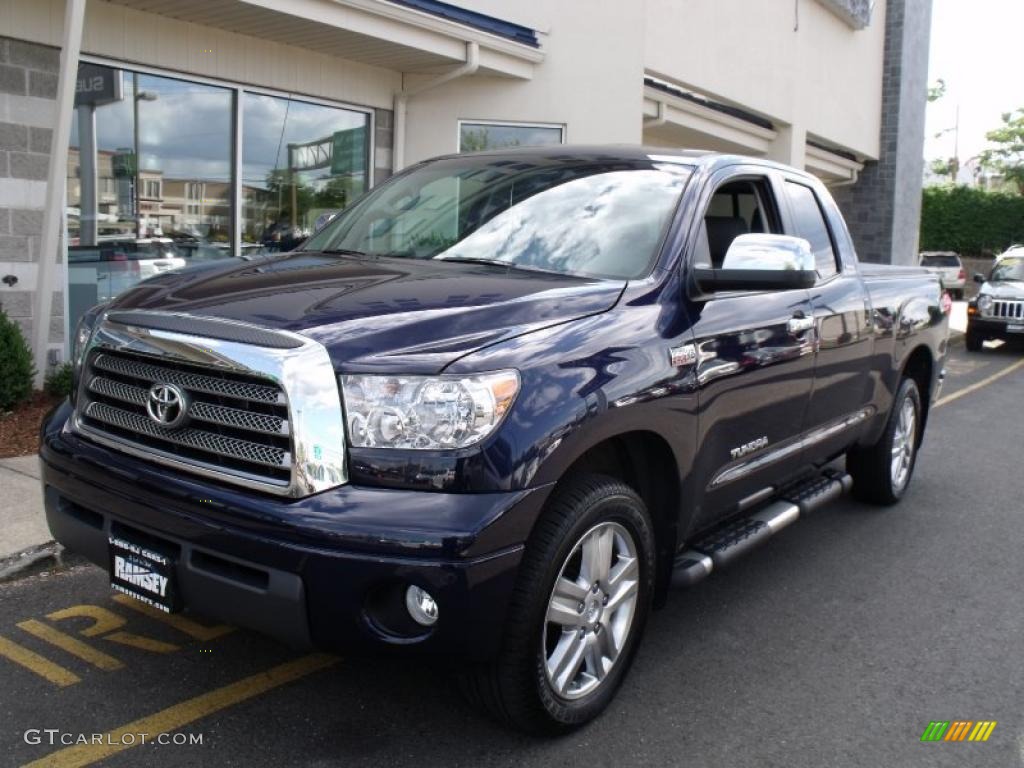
16, 368
59, 381
971, 221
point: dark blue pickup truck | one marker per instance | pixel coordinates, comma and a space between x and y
495, 410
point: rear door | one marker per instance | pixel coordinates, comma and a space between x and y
841, 315
754, 352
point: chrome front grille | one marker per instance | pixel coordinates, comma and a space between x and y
209, 442
1012, 309
210, 385
236, 425
263, 408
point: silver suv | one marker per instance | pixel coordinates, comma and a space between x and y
949, 268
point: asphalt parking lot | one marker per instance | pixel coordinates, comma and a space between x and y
835, 644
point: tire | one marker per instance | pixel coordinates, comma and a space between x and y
583, 515
877, 477
973, 341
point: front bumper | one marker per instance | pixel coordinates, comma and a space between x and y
312, 572
993, 328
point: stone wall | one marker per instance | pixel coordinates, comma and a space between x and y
883, 209
28, 89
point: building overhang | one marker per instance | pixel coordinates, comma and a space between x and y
393, 36
677, 118
679, 121
831, 167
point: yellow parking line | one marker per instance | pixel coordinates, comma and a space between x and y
978, 384
176, 620
43, 667
71, 645
186, 712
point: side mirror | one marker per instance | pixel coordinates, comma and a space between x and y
761, 262
979, 278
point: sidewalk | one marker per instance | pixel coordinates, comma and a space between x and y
21, 506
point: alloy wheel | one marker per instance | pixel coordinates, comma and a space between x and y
590, 611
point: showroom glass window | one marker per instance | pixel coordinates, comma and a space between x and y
130, 219
301, 162
476, 137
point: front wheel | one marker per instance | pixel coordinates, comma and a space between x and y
579, 608
882, 472
973, 341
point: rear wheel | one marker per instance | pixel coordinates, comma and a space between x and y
578, 611
882, 472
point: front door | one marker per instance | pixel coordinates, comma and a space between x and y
755, 356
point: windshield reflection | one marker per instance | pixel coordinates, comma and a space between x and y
597, 219
1008, 269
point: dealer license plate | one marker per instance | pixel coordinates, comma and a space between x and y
141, 572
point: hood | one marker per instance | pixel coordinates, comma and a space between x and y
387, 314
1004, 289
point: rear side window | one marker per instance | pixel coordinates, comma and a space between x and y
810, 225
939, 260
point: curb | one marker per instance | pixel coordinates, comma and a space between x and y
32, 560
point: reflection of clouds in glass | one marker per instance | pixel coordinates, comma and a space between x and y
181, 133
271, 123
185, 133
478, 136
606, 224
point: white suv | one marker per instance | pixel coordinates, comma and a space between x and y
949, 268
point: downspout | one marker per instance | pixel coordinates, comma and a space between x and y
654, 122
469, 67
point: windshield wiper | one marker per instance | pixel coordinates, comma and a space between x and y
498, 263
344, 252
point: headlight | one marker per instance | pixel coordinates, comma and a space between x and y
426, 412
984, 304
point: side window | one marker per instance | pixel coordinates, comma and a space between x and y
736, 208
810, 225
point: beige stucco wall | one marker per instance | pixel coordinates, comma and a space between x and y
590, 81
133, 36
824, 77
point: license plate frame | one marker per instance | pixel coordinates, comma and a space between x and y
140, 571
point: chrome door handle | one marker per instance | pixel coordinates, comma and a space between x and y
800, 324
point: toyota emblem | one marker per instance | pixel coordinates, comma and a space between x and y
167, 405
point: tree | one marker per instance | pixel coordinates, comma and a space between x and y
1007, 159
945, 168
937, 91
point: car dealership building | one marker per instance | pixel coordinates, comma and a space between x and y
139, 135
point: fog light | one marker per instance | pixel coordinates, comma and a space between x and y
421, 606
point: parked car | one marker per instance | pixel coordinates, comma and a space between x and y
495, 410
998, 310
949, 268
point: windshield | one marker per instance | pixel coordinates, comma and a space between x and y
601, 218
1008, 269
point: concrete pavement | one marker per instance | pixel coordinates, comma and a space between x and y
836, 644
21, 506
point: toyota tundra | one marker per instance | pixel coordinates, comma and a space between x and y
495, 410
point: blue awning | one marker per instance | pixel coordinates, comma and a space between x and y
481, 21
